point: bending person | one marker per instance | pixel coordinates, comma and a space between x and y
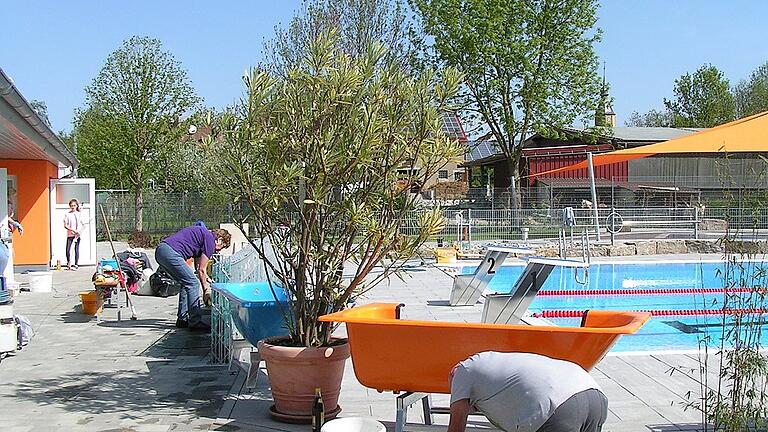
172, 254
527, 393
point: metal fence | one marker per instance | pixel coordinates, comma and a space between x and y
492, 219
642, 192
243, 266
524, 224
163, 213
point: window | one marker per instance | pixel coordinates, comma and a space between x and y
458, 176
404, 174
442, 175
68, 191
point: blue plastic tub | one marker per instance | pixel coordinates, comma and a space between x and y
256, 311
107, 262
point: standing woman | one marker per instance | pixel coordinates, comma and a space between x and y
73, 223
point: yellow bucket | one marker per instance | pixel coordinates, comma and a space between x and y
90, 302
446, 255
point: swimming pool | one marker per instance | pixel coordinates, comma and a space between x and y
667, 287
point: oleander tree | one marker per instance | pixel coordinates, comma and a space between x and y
328, 158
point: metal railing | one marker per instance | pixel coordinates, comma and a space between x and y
491, 217
163, 213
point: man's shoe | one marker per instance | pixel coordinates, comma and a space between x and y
200, 327
180, 323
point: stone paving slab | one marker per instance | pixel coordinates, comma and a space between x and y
145, 375
644, 393
80, 375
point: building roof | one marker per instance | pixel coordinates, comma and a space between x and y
481, 149
482, 152
745, 135
23, 134
452, 126
649, 134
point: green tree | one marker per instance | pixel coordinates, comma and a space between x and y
132, 119
528, 65
652, 118
752, 95
702, 99
315, 155
102, 150
183, 168
359, 24
68, 138
41, 109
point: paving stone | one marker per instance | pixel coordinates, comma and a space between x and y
145, 375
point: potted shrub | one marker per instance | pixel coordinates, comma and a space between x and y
328, 160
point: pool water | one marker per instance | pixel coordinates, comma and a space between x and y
673, 332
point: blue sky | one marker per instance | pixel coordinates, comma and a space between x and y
53, 49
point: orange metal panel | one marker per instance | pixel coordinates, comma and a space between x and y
33, 209
550, 165
390, 354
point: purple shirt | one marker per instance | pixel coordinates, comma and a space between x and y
193, 241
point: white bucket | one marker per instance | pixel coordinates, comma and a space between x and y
13, 288
353, 424
40, 281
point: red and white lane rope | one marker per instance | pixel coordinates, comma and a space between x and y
651, 291
662, 312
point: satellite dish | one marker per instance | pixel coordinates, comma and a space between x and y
192, 129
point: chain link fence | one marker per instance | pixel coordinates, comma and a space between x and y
484, 218
163, 213
640, 192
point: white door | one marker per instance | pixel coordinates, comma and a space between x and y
5, 232
84, 191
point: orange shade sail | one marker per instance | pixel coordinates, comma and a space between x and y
746, 135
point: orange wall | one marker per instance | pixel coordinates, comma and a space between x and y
33, 209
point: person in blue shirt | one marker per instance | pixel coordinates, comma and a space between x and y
172, 253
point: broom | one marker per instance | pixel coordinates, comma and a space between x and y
120, 272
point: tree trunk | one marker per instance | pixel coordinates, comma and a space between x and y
514, 172
139, 207
514, 186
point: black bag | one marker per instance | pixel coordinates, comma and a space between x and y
163, 284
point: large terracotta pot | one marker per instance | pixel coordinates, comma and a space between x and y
294, 373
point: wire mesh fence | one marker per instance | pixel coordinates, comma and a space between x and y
490, 217
244, 265
163, 213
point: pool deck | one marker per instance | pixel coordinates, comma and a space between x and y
145, 375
